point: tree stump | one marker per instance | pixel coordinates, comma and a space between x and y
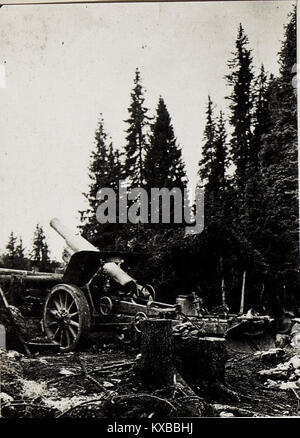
157, 363
211, 359
201, 360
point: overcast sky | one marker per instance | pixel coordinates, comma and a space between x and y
65, 64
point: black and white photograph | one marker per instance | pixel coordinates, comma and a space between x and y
149, 240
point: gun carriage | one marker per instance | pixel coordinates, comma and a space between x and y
96, 292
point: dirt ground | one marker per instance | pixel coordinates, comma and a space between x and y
242, 376
103, 384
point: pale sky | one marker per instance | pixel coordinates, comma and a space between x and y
65, 64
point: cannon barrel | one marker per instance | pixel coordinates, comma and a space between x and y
79, 243
116, 273
76, 243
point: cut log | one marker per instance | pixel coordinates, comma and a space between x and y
34, 278
157, 363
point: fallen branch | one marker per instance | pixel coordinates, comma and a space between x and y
297, 397
59, 379
223, 390
90, 378
96, 400
184, 387
133, 396
99, 370
113, 398
115, 365
189, 394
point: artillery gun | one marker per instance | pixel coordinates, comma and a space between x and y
96, 292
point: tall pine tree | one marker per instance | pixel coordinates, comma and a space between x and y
241, 104
11, 254
245, 157
253, 206
220, 159
280, 178
261, 116
164, 166
205, 164
136, 139
213, 164
22, 262
40, 251
105, 170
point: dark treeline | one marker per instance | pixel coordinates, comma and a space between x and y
249, 171
16, 256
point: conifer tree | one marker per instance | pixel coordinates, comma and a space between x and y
105, 170
40, 251
164, 166
252, 209
136, 139
280, 174
205, 164
11, 255
214, 161
22, 262
261, 116
220, 159
241, 103
14, 257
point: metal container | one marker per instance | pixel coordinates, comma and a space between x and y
187, 304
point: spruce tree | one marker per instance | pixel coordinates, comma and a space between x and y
261, 116
252, 210
205, 164
136, 138
105, 170
280, 174
164, 166
22, 262
213, 164
220, 159
40, 251
11, 254
241, 103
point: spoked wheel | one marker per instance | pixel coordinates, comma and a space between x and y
139, 317
105, 305
67, 318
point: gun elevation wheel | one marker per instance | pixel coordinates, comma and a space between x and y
139, 317
106, 305
67, 318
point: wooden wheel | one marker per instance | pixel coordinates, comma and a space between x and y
67, 318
